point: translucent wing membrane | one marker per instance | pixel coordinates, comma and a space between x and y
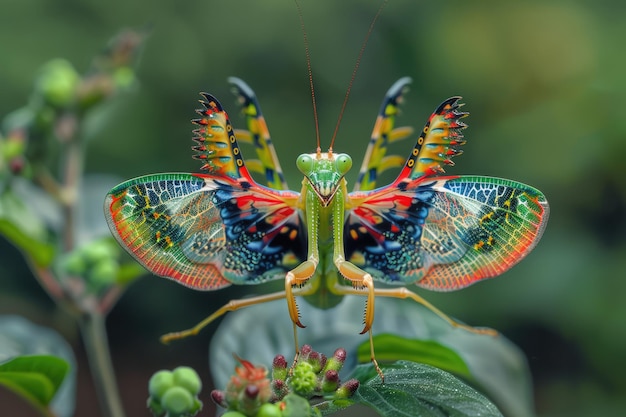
207, 231
445, 233
441, 233
258, 135
376, 160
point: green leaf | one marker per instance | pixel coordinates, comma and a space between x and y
391, 347
19, 338
413, 389
296, 406
36, 378
24, 230
35, 388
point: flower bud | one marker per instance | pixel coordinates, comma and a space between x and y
315, 361
279, 368
347, 389
335, 363
219, 398
330, 382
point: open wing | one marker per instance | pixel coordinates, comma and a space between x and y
376, 160
207, 231
258, 135
444, 233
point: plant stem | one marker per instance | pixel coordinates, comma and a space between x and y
93, 329
73, 172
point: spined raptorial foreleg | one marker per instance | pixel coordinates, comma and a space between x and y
296, 278
361, 282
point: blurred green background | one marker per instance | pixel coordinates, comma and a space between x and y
545, 84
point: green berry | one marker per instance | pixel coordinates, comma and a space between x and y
74, 264
12, 148
177, 400
160, 382
187, 378
269, 410
57, 82
124, 77
104, 273
99, 250
233, 414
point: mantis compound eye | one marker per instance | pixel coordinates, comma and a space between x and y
343, 162
305, 163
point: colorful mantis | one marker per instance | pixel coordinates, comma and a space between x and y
221, 227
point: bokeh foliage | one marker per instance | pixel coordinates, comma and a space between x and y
544, 82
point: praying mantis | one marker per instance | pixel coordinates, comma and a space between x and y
220, 227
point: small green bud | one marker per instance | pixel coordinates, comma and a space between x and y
124, 77
347, 389
279, 368
160, 382
73, 263
12, 148
187, 378
330, 382
57, 82
177, 400
314, 360
103, 274
269, 410
335, 363
99, 250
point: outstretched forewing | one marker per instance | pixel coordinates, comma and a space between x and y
385, 132
207, 231
444, 233
257, 134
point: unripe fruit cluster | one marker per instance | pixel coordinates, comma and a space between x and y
175, 393
96, 262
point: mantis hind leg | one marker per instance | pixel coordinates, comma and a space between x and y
232, 305
403, 293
